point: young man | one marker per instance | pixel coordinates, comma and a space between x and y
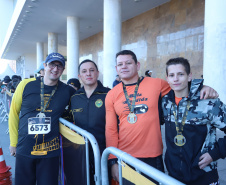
190, 127
88, 107
34, 135
135, 104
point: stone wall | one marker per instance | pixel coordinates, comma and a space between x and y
171, 30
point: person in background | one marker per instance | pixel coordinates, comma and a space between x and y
117, 81
192, 150
5, 82
34, 136
40, 69
12, 85
74, 82
148, 73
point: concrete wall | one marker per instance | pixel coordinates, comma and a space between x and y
171, 30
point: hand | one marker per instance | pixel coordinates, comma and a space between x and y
12, 151
208, 93
204, 160
115, 172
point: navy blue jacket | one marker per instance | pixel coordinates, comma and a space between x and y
89, 113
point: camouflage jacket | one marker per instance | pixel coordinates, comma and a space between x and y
203, 117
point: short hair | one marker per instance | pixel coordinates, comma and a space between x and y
180, 60
85, 61
127, 52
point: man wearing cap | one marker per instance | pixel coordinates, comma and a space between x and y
11, 86
34, 135
5, 82
148, 73
40, 69
74, 82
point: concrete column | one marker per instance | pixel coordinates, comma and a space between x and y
39, 53
215, 46
72, 47
112, 39
52, 42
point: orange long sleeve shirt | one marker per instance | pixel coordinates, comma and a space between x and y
143, 138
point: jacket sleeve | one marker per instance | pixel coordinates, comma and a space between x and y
218, 116
111, 130
14, 114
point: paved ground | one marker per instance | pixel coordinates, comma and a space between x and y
4, 142
10, 161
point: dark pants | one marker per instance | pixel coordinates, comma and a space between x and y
156, 162
43, 171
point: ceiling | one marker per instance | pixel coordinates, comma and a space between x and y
39, 17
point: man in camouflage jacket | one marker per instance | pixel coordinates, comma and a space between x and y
203, 117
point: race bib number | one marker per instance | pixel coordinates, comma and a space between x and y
39, 125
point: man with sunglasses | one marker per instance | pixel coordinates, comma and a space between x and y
34, 135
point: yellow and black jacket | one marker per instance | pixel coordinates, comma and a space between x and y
26, 104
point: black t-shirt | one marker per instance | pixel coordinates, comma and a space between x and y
30, 107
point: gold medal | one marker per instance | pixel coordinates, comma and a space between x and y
132, 118
179, 140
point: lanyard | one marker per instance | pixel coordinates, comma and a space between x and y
42, 95
179, 126
131, 107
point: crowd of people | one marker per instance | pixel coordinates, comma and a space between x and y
128, 117
10, 84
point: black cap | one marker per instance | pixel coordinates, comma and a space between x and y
14, 77
6, 79
75, 82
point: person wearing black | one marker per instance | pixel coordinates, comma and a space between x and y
34, 136
74, 82
13, 84
88, 108
117, 81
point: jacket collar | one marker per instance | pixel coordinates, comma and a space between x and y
99, 88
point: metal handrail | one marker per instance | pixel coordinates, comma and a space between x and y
150, 171
93, 143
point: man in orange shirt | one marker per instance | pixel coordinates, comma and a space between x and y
132, 113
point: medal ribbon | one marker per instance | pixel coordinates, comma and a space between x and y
179, 126
131, 107
42, 95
